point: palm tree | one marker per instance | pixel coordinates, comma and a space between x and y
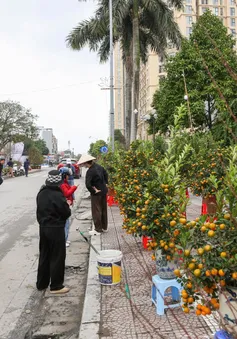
139, 25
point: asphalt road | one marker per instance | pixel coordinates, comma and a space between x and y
18, 246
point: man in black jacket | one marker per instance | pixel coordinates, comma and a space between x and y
2, 161
52, 213
96, 183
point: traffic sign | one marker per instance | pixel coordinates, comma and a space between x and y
104, 149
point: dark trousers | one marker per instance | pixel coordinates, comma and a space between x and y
26, 171
99, 212
52, 258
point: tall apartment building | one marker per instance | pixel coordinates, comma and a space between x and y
54, 145
119, 116
47, 135
154, 70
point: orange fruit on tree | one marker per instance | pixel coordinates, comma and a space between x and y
185, 295
200, 251
199, 306
213, 301
214, 271
144, 227
166, 190
223, 254
197, 272
203, 229
177, 273
208, 273
227, 216
189, 285
172, 223
182, 221
200, 266
234, 275
186, 253
222, 226
198, 312
221, 273
186, 310
190, 300
207, 248
217, 306
191, 266
222, 283
211, 233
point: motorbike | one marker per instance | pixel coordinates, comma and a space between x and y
18, 171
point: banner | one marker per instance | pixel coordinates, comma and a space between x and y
17, 151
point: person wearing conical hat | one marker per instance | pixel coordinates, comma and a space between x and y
96, 183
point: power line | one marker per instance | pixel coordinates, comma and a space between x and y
47, 89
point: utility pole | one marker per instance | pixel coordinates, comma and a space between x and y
111, 75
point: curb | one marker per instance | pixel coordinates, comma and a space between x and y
90, 322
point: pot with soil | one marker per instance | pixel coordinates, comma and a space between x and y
165, 268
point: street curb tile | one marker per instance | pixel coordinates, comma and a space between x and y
90, 322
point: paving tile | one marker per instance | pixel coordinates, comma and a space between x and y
122, 319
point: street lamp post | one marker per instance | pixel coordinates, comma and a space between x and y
151, 117
111, 75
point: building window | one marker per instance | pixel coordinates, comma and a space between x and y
221, 2
232, 11
215, 2
204, 2
188, 31
188, 9
232, 2
233, 32
215, 10
161, 69
204, 9
189, 20
232, 22
221, 11
188, 1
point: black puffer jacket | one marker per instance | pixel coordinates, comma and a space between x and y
96, 176
52, 207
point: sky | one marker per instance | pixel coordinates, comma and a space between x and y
38, 70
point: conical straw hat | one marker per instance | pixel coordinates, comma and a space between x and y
85, 158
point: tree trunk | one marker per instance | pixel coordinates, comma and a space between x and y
136, 70
128, 103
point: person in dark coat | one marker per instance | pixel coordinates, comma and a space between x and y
52, 213
10, 164
2, 161
96, 183
26, 167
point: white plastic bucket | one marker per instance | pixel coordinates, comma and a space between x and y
109, 267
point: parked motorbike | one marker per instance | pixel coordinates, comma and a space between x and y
18, 171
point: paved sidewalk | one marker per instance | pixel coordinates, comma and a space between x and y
114, 315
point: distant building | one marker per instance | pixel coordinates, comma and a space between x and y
54, 145
47, 135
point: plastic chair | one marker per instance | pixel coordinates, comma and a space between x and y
158, 293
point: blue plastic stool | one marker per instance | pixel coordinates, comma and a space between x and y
222, 335
158, 293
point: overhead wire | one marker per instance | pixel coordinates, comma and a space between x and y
48, 89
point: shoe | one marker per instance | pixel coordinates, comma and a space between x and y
105, 231
94, 233
68, 241
62, 291
67, 244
